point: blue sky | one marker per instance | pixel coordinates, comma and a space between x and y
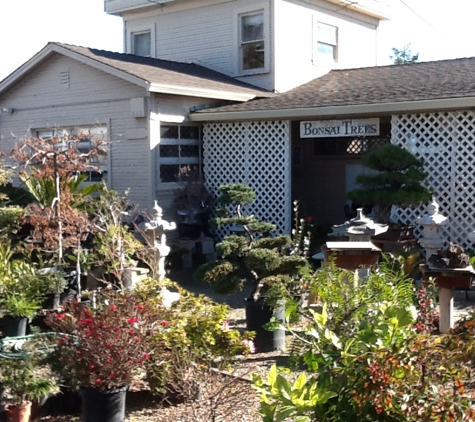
434, 29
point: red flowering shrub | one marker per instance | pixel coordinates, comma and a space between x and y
102, 348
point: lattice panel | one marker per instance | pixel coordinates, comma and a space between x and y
256, 154
446, 143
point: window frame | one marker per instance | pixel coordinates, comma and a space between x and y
179, 160
132, 42
320, 59
72, 131
239, 57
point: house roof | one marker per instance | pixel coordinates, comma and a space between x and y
424, 86
155, 75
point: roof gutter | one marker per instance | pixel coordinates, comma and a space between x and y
199, 92
331, 111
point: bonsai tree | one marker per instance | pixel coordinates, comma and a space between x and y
397, 181
23, 385
256, 257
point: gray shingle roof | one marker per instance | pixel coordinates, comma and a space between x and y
165, 72
373, 85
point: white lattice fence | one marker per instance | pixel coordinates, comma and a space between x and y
446, 143
256, 154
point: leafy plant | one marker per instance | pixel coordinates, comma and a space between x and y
397, 181
103, 347
23, 385
256, 256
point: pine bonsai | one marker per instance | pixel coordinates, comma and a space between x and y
398, 181
255, 256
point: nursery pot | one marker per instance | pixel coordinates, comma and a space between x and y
19, 413
14, 326
259, 313
103, 406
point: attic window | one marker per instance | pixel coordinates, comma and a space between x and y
142, 43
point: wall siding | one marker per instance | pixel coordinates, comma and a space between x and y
92, 97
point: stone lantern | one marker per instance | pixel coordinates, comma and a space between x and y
154, 231
359, 229
432, 239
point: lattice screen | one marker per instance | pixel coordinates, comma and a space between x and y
256, 154
446, 143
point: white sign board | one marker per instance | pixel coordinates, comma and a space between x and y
339, 128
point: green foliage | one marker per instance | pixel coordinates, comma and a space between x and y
282, 399
404, 56
398, 181
270, 263
195, 333
22, 384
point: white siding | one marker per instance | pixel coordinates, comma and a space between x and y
200, 32
294, 45
40, 101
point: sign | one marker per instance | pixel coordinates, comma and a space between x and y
339, 128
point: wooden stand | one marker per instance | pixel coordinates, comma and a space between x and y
352, 255
447, 280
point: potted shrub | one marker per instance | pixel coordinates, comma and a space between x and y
23, 387
101, 350
255, 257
397, 181
193, 203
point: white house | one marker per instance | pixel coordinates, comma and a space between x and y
270, 93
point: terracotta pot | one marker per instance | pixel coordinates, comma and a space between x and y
19, 413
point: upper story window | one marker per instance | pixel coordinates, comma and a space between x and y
141, 43
326, 48
252, 46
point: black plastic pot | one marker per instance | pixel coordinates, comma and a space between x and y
66, 402
14, 326
103, 406
259, 313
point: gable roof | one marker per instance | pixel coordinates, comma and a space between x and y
154, 75
424, 86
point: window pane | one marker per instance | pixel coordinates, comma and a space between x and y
189, 132
253, 55
169, 173
141, 44
325, 50
189, 151
326, 33
169, 132
169, 151
252, 27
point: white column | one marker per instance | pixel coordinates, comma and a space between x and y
446, 309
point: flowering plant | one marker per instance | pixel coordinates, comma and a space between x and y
102, 348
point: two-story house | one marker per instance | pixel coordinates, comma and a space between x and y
271, 93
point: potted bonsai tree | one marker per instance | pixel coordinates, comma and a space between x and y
255, 257
397, 181
23, 387
193, 203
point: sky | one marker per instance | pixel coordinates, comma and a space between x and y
436, 29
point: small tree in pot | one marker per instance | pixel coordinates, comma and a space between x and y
254, 257
397, 181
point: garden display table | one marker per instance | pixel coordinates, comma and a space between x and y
446, 280
352, 255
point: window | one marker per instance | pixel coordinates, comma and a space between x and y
180, 146
142, 44
326, 37
87, 137
252, 47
